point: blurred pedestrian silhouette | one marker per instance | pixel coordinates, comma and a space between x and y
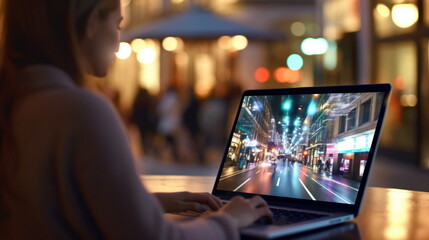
213, 118
192, 127
169, 112
144, 116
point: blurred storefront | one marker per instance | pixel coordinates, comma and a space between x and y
327, 42
386, 41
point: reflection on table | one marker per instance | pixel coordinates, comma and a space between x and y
386, 213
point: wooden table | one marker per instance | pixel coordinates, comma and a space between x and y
386, 213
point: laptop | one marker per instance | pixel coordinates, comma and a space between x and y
307, 151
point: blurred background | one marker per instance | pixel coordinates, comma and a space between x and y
182, 65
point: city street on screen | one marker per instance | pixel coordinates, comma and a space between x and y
312, 146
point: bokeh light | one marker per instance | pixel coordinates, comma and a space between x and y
262, 74
280, 75
224, 42
314, 46
172, 43
286, 75
239, 42
399, 83
408, 100
205, 75
137, 45
405, 15
330, 58
382, 10
295, 62
297, 29
146, 55
124, 51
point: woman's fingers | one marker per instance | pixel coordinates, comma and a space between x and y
257, 201
261, 206
264, 211
218, 201
246, 211
193, 206
205, 198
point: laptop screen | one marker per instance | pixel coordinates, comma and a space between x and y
302, 146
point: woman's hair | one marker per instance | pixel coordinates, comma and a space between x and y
41, 32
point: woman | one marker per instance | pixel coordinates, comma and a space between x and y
66, 170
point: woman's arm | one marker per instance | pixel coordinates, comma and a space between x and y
111, 190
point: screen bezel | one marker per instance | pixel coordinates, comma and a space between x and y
304, 203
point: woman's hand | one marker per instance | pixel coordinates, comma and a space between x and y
246, 211
186, 201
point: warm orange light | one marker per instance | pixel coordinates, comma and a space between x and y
382, 10
409, 100
205, 75
262, 75
286, 75
177, 1
137, 45
398, 216
399, 83
172, 43
280, 75
294, 76
225, 42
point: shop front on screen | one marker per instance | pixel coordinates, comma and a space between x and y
353, 154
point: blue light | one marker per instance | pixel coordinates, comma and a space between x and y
296, 123
295, 62
286, 120
255, 107
287, 105
312, 108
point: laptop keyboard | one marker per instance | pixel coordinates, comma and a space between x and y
280, 216
283, 217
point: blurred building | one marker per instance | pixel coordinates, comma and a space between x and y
326, 42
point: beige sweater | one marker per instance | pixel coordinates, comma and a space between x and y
75, 178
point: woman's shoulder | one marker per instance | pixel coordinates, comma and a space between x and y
66, 110
51, 94
82, 106
85, 113
80, 98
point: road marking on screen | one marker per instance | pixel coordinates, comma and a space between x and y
331, 191
340, 183
235, 174
306, 189
258, 171
303, 172
241, 184
278, 182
